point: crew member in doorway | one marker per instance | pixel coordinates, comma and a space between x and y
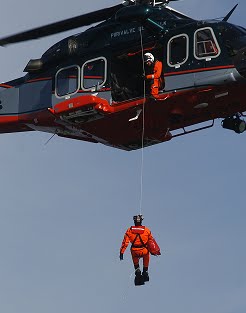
138, 235
153, 71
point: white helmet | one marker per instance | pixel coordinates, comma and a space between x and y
148, 57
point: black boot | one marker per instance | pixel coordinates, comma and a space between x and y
145, 274
139, 280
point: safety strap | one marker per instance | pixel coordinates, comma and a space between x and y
143, 244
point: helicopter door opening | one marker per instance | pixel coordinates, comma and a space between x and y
94, 74
126, 80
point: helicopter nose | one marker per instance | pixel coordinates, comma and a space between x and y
240, 61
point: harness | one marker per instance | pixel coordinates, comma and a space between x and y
143, 245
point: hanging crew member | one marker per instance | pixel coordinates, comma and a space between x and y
138, 235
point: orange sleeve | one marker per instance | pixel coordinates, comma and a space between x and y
149, 234
157, 71
125, 241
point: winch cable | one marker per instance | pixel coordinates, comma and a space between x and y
143, 124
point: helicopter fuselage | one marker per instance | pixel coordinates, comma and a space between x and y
90, 87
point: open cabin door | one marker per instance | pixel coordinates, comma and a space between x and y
126, 77
127, 73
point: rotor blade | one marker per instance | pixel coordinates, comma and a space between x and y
226, 18
61, 26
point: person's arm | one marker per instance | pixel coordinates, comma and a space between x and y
150, 237
157, 71
125, 242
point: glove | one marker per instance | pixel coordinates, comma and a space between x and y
140, 76
121, 256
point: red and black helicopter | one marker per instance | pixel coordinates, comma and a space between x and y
89, 86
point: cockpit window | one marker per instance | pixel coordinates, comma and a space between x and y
231, 32
242, 30
232, 36
206, 45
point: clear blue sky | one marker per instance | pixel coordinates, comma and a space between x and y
65, 206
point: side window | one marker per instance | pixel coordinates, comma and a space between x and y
206, 45
94, 73
177, 50
67, 81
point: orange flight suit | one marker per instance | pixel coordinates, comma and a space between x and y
138, 249
156, 77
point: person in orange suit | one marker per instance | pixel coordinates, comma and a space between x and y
138, 235
153, 69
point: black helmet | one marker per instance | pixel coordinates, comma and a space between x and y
138, 218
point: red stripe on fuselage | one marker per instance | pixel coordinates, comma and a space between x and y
5, 86
38, 79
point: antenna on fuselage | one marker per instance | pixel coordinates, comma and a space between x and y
226, 18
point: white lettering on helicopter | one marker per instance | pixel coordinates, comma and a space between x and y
123, 32
129, 31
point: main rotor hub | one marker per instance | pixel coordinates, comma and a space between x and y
149, 2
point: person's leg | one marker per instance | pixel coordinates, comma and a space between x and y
138, 275
146, 259
154, 90
135, 260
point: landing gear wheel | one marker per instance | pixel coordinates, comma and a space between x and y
240, 126
234, 123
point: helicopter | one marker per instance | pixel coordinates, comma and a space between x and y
90, 86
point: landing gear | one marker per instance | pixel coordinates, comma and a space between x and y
234, 123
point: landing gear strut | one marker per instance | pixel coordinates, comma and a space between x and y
234, 123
